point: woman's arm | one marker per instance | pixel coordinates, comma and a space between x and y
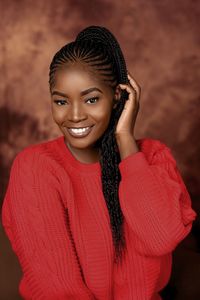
154, 200
34, 219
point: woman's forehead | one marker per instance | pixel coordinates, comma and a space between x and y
78, 77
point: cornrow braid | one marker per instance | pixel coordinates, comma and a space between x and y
89, 53
97, 48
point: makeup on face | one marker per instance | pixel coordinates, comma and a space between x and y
85, 92
81, 107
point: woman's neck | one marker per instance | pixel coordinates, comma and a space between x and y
90, 155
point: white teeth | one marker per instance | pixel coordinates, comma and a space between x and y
79, 130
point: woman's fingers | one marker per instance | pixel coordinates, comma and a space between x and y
131, 91
135, 85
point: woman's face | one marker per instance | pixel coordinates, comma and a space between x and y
80, 100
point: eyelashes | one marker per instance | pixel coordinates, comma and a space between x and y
93, 98
63, 102
59, 102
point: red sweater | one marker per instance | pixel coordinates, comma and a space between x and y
55, 216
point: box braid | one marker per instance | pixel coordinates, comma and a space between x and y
97, 48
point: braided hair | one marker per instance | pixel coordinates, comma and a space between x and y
97, 49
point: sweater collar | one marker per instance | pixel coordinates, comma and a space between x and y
76, 164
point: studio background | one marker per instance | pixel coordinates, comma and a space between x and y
161, 44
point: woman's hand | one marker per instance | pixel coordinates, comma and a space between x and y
126, 122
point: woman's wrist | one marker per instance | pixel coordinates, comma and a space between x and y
127, 145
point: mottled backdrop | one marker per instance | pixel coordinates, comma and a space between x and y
161, 45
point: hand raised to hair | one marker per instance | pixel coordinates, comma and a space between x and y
126, 123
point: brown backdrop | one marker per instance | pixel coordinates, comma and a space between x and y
161, 44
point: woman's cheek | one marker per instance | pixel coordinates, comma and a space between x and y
58, 115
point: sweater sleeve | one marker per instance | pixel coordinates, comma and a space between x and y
34, 220
154, 201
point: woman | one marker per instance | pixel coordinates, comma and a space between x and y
95, 213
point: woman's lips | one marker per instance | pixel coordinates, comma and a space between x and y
80, 134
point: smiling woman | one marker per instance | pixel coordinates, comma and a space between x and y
95, 213
76, 111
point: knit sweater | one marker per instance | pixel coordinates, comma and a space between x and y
55, 216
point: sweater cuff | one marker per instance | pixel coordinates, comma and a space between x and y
133, 163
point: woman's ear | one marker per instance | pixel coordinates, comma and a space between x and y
117, 95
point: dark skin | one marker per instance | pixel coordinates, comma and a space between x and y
93, 108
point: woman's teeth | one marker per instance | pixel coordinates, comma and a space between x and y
80, 131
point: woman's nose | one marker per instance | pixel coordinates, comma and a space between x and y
76, 113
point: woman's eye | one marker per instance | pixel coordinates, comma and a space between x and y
60, 102
63, 102
94, 98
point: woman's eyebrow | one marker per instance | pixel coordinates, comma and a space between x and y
81, 93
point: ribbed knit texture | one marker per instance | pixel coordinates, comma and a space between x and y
55, 216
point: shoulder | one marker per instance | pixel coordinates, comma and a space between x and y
155, 150
38, 150
36, 158
36, 168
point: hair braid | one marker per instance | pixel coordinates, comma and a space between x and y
97, 47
